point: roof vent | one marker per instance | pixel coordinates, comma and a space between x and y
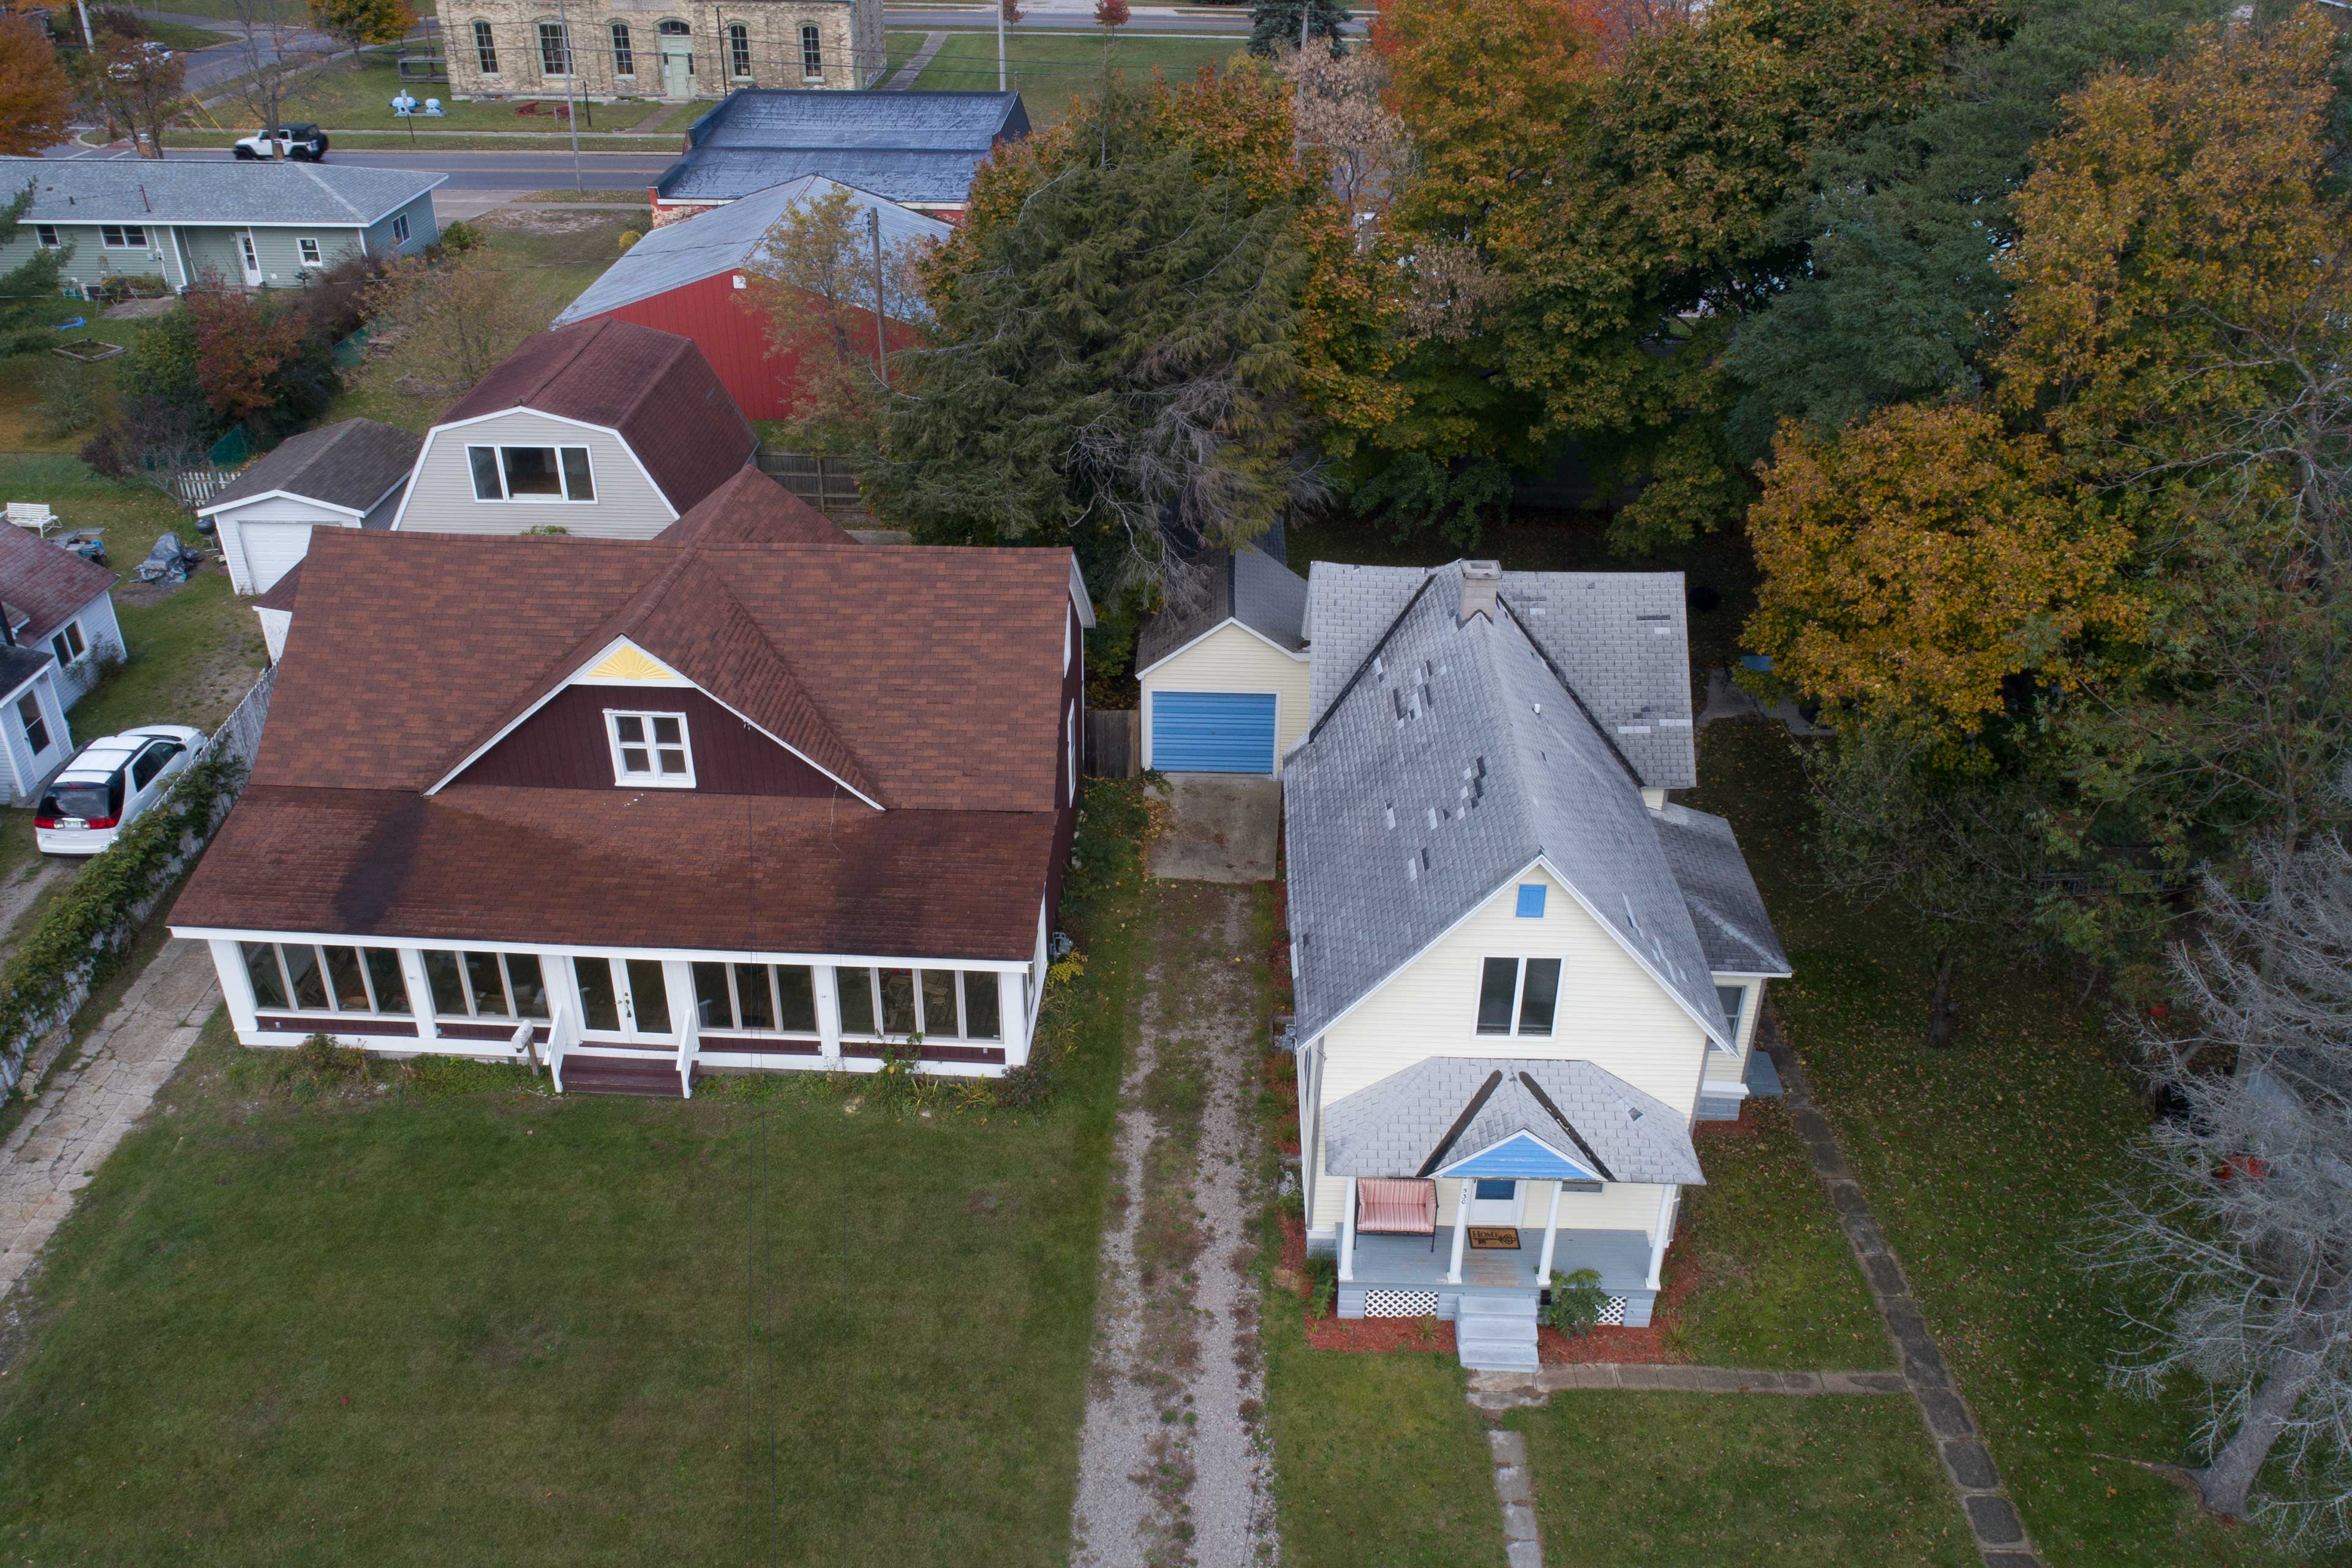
1481, 580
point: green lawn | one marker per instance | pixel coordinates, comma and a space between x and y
1779, 1286
1981, 1162
457, 1320
1049, 71
181, 37
1379, 1459
340, 98
899, 48
1694, 1481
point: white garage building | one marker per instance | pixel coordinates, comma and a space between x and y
349, 475
1225, 688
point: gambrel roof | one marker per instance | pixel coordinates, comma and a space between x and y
1451, 759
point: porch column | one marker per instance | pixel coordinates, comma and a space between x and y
1551, 1231
1348, 1235
236, 986
1663, 1235
828, 1012
420, 990
1460, 1230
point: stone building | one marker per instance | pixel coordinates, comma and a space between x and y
652, 48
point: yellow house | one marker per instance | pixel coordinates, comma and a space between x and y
1225, 684
1522, 974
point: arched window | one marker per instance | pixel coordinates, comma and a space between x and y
675, 29
554, 50
625, 58
811, 53
486, 49
738, 49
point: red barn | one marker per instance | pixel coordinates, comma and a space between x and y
689, 278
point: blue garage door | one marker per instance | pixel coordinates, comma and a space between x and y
1213, 732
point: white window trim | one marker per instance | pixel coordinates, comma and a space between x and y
1074, 751
400, 227
506, 497
931, 1035
656, 780
70, 634
308, 252
505, 956
374, 1009
45, 234
1518, 995
126, 230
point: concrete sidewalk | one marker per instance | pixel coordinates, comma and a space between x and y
85, 1109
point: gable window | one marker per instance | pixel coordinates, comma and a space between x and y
936, 1003
486, 49
530, 473
757, 998
68, 644
123, 236
1734, 998
650, 749
624, 58
1532, 900
1518, 995
47, 233
554, 50
486, 985
297, 977
37, 731
400, 227
738, 49
811, 53
309, 249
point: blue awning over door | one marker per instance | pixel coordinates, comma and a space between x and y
1212, 731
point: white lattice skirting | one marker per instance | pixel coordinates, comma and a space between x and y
1612, 1311
1400, 1303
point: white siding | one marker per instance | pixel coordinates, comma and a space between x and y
1233, 659
441, 497
26, 769
262, 540
1611, 1012
99, 630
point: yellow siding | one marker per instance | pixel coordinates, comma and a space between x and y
1233, 660
1611, 1012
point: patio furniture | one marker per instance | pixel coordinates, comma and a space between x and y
1389, 1206
33, 514
89, 544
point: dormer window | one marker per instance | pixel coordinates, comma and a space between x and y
531, 473
650, 749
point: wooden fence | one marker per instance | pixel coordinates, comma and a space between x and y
828, 484
1114, 743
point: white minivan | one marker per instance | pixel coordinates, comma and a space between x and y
109, 784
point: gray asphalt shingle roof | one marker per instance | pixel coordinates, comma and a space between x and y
727, 237
350, 465
1621, 638
902, 146
144, 190
1452, 761
1725, 907
1245, 586
1399, 1126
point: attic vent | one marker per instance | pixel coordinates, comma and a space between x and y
1634, 1115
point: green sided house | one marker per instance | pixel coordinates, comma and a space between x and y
1523, 975
255, 225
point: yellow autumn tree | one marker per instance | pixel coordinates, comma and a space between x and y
1917, 564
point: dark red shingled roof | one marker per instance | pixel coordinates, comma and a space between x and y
46, 582
654, 387
752, 509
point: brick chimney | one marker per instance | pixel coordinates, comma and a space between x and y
1481, 580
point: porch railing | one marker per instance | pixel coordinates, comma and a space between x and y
562, 1034
689, 1044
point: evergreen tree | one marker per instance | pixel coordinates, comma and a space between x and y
1274, 24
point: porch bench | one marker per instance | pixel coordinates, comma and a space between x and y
1389, 1205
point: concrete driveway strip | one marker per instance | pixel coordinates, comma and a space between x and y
1221, 828
86, 1108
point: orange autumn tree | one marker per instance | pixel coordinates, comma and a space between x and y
36, 99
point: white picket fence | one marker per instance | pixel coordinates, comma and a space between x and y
238, 736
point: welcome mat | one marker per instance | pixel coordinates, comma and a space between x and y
1495, 1238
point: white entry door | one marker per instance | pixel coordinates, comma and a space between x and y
677, 70
250, 257
624, 1000
1494, 1203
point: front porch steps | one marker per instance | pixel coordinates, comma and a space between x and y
618, 1075
1496, 1333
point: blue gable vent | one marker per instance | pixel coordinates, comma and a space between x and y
1532, 900
1522, 1157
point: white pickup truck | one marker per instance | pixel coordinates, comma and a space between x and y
301, 143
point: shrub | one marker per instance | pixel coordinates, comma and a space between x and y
69, 396
459, 235
1322, 1286
629, 237
1575, 1301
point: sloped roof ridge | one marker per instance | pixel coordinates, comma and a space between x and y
1568, 686
1372, 653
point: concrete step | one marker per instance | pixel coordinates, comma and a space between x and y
1497, 1358
1498, 1305
1514, 1331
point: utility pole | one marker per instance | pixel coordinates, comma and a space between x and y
1000, 45
89, 38
881, 351
570, 112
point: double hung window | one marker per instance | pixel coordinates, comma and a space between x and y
811, 53
1734, 999
738, 49
758, 998
47, 233
624, 58
68, 644
1518, 995
936, 1003
400, 227
486, 985
486, 49
650, 749
123, 236
531, 473
309, 252
290, 976
554, 50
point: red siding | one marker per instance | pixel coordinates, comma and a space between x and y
563, 746
1066, 827
733, 337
